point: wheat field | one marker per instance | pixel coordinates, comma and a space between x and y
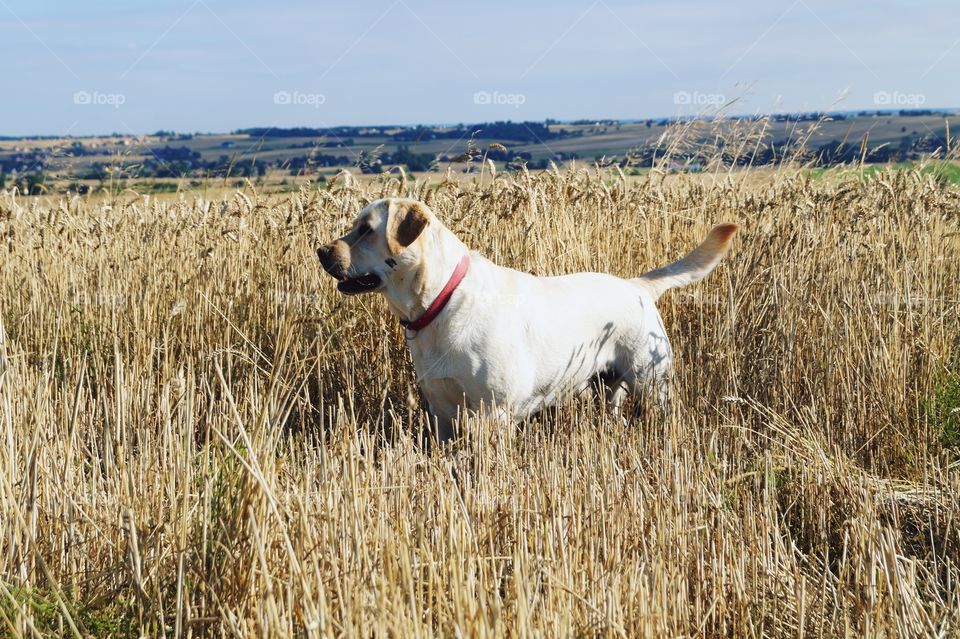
200, 437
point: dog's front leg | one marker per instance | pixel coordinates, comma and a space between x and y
441, 429
445, 400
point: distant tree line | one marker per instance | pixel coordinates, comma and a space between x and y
309, 132
501, 130
529, 132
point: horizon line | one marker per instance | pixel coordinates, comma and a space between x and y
675, 118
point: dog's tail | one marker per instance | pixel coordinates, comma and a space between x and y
696, 265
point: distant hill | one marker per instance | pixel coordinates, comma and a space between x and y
687, 144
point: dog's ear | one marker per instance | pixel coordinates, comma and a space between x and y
405, 224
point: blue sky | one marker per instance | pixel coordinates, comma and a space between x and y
211, 65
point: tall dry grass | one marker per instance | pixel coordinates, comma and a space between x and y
200, 437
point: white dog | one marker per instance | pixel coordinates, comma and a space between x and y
480, 333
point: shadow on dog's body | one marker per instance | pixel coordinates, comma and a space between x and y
510, 341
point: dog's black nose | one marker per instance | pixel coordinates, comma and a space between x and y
330, 261
325, 253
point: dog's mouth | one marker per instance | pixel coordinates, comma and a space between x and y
366, 283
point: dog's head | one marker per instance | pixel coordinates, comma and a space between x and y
383, 240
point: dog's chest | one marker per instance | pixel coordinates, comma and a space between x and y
435, 358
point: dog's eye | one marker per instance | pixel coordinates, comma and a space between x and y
363, 229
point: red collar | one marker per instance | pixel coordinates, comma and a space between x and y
431, 313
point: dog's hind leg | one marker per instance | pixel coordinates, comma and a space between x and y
615, 392
609, 389
651, 387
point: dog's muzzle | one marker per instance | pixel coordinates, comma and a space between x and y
333, 263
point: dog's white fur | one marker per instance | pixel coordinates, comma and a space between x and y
510, 341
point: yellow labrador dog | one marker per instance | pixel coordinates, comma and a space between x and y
483, 334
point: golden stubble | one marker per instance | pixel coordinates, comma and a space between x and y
200, 436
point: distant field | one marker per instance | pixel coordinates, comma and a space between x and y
115, 163
946, 171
